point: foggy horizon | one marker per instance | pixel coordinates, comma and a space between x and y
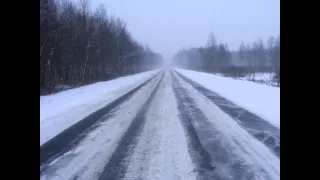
171, 26
159, 89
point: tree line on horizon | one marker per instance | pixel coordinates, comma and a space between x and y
79, 47
218, 58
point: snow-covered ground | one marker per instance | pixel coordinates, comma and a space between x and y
166, 130
88, 159
161, 152
263, 100
62, 110
241, 147
264, 78
261, 78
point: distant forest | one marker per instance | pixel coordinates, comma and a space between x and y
217, 58
79, 47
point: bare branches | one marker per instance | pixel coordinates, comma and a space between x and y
216, 57
79, 47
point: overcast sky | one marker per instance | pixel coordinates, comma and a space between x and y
169, 25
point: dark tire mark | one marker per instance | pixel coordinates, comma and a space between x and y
71, 136
261, 129
212, 156
116, 166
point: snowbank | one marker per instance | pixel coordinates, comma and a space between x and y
260, 76
263, 78
263, 100
62, 110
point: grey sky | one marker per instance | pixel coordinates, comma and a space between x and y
169, 25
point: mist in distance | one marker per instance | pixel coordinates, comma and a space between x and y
169, 26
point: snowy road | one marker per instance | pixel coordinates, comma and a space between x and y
169, 127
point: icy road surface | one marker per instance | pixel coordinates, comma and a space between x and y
165, 128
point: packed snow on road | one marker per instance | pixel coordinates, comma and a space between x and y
172, 124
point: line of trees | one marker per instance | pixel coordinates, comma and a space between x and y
78, 46
261, 57
211, 58
217, 58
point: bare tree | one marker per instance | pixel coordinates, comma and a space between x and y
79, 47
216, 57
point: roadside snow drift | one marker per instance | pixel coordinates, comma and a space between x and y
260, 99
62, 110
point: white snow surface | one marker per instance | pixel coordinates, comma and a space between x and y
262, 78
161, 152
258, 77
61, 110
262, 100
87, 160
251, 152
267, 77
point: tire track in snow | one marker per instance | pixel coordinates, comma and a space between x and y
261, 129
70, 137
87, 160
161, 152
116, 166
210, 149
188, 113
